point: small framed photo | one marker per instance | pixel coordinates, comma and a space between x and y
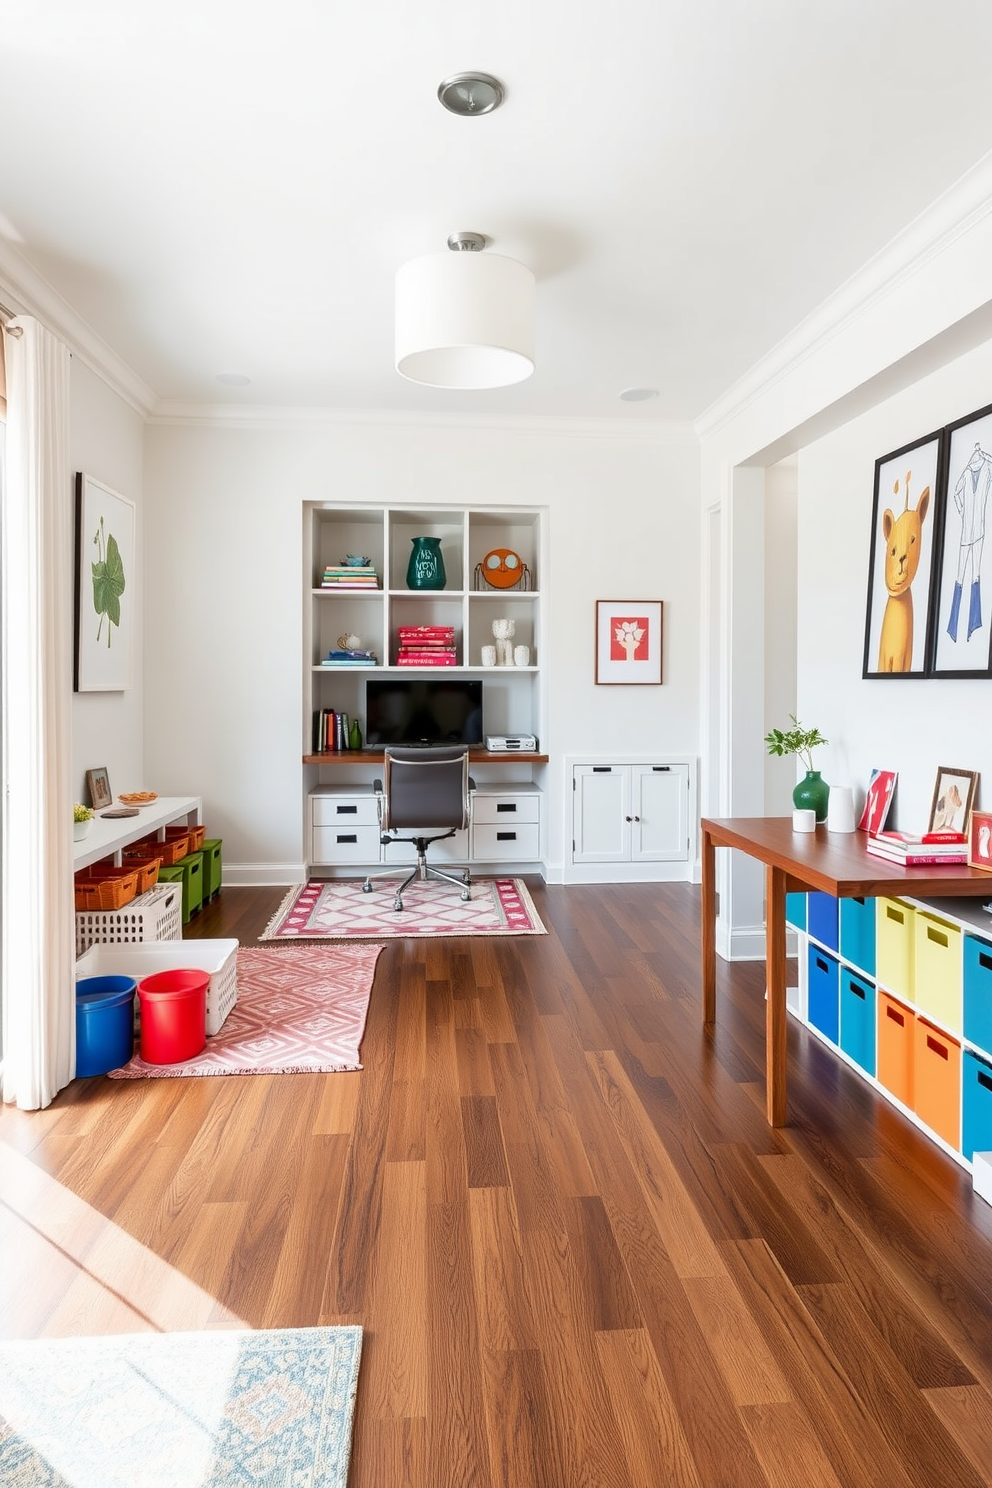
878, 799
628, 641
98, 785
901, 563
962, 645
953, 796
980, 840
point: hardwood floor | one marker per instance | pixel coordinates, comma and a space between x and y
579, 1253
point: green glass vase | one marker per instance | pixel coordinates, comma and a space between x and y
426, 567
812, 794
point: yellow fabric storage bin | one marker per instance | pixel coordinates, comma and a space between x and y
938, 969
894, 947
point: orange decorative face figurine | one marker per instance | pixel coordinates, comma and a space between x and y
502, 568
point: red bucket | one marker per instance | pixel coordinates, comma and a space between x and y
173, 1015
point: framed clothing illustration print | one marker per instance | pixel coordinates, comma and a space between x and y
962, 631
628, 641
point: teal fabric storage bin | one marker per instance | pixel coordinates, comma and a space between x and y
857, 1019
976, 1079
824, 993
857, 933
978, 992
821, 915
795, 910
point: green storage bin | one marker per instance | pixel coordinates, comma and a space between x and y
211, 866
189, 872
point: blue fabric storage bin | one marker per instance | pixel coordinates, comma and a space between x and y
821, 914
976, 1079
857, 1019
978, 992
824, 993
857, 933
795, 910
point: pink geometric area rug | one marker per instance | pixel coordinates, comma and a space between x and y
338, 910
299, 1011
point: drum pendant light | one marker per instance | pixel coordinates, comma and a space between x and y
465, 318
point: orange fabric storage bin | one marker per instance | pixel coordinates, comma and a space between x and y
937, 1077
896, 1052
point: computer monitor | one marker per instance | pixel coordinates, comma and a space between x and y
423, 710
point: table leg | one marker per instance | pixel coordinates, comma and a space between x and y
775, 1009
708, 856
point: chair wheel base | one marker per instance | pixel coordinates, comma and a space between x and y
366, 888
398, 905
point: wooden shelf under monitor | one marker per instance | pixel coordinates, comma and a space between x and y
375, 757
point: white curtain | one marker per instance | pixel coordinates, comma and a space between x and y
39, 1018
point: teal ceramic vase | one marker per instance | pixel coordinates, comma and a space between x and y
812, 794
426, 567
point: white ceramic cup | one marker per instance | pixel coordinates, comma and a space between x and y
840, 809
804, 821
489, 656
521, 656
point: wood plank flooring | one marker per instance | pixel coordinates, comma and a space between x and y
581, 1257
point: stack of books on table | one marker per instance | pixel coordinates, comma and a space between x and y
912, 851
344, 576
427, 646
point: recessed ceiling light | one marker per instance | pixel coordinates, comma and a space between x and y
232, 379
470, 93
638, 395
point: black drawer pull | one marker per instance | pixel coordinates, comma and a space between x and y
506, 836
602, 769
985, 961
899, 1018
660, 769
984, 1080
506, 805
940, 1049
346, 810
347, 837
858, 991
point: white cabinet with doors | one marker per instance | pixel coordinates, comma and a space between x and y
632, 819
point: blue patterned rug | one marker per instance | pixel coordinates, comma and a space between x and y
180, 1410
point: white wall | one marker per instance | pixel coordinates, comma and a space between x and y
106, 441
223, 672
907, 725
781, 548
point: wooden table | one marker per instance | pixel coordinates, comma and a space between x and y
833, 862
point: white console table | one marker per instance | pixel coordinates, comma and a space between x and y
110, 836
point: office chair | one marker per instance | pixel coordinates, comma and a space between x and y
424, 787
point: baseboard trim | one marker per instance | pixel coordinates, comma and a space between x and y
262, 875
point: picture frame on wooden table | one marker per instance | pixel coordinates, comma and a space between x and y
98, 785
105, 593
962, 634
901, 563
629, 642
953, 797
980, 840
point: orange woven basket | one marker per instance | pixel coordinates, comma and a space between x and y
112, 890
169, 851
146, 869
196, 838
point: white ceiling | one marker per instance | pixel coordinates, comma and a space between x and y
228, 186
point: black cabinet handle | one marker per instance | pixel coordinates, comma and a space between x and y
347, 837
506, 836
602, 769
506, 805
346, 810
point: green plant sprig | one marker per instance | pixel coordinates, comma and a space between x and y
81, 813
797, 740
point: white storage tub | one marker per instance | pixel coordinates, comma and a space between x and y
144, 958
155, 916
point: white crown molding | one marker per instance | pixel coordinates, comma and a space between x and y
33, 295
242, 416
952, 216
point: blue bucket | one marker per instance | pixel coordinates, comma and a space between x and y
104, 1023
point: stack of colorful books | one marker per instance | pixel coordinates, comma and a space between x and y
427, 646
346, 576
350, 658
912, 851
